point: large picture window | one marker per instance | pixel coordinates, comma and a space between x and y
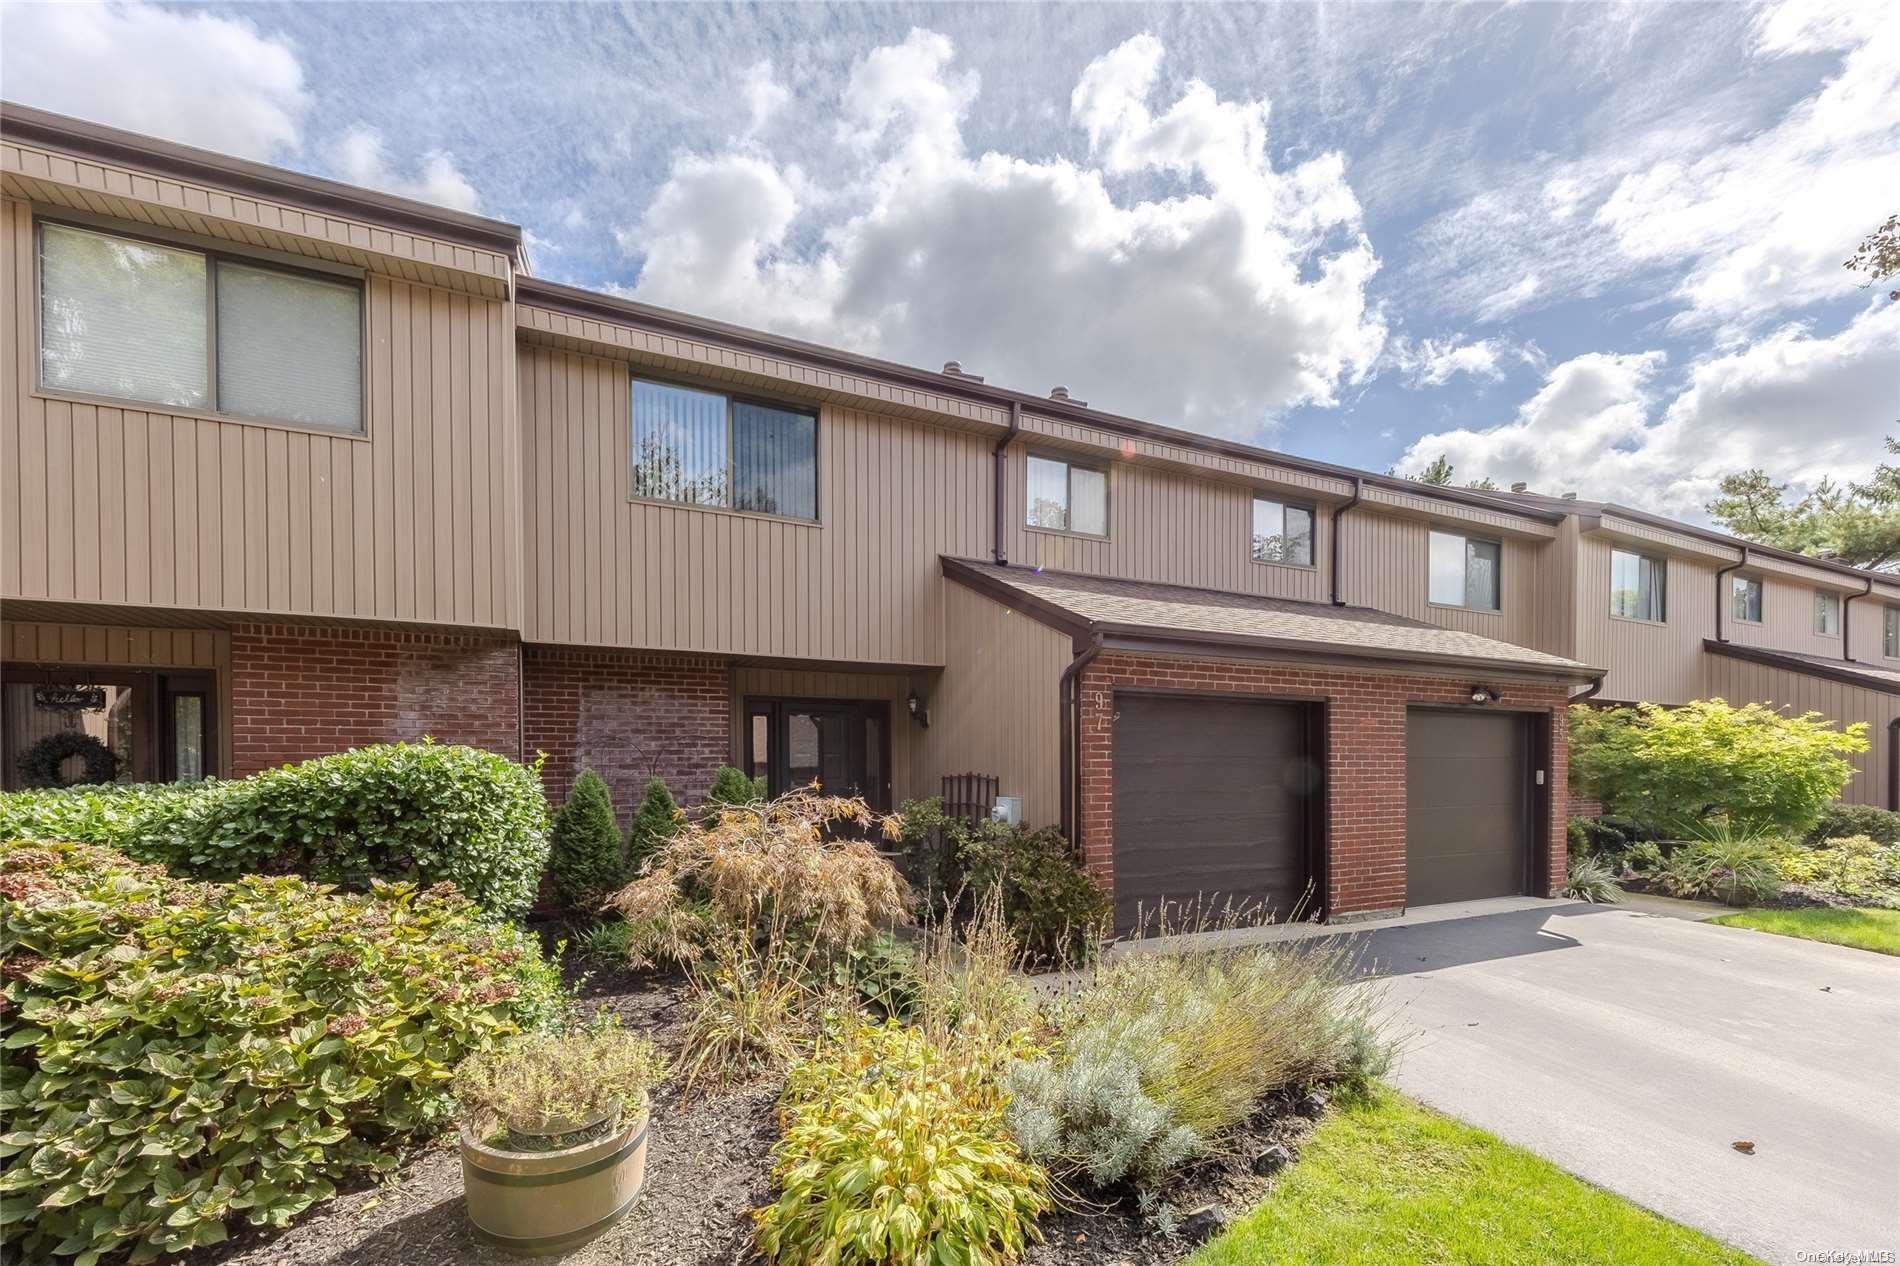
1464, 572
1282, 533
132, 320
705, 448
1066, 497
1638, 586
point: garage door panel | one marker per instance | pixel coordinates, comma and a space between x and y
1467, 813
1208, 804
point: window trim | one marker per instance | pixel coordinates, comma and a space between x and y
1312, 544
812, 411
1662, 560
1467, 538
212, 256
1069, 466
1759, 584
1840, 613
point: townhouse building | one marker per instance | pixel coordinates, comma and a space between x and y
288, 466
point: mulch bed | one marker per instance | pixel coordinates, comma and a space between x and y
708, 1167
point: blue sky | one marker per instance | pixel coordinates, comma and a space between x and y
1593, 247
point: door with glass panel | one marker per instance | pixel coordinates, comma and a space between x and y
72, 726
843, 745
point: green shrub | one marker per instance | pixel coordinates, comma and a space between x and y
606, 940
1054, 909
655, 822
584, 855
423, 812
530, 1092
1738, 867
893, 1155
1591, 879
181, 1054
882, 972
1853, 867
1838, 820
1670, 768
731, 786
1163, 1054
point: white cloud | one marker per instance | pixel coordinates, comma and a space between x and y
1236, 293
360, 160
1801, 407
764, 96
203, 80
1738, 223
1430, 362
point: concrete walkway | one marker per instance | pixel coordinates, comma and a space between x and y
1635, 1049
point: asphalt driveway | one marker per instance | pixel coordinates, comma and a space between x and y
1634, 1049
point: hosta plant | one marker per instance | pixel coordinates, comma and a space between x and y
181, 1055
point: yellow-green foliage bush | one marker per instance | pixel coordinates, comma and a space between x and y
182, 1054
895, 1154
1853, 866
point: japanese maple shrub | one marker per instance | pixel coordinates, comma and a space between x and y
181, 1055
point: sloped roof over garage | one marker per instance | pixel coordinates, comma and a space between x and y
1136, 614
1850, 672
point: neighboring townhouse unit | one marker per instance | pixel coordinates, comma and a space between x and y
287, 466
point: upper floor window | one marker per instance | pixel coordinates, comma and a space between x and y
1639, 586
1464, 572
707, 449
1890, 632
1827, 613
1745, 598
1067, 497
1282, 533
133, 320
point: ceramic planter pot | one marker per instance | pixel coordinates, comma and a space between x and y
540, 1202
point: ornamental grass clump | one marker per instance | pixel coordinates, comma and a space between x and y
546, 1091
181, 1054
1163, 1054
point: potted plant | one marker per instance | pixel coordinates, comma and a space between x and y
554, 1135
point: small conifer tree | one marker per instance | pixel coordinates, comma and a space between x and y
729, 786
585, 858
654, 823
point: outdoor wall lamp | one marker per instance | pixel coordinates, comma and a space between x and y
1485, 694
918, 712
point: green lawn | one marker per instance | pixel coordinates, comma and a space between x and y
1389, 1181
1876, 930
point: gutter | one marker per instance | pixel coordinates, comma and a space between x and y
1720, 634
1847, 620
1339, 512
1588, 692
1071, 702
1000, 462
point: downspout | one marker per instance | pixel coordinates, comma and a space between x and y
1358, 494
1847, 620
1720, 606
521, 695
1589, 692
1893, 764
1001, 465
1071, 698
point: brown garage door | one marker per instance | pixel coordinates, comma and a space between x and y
1210, 802
1467, 805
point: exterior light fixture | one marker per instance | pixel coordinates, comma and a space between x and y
918, 712
1485, 694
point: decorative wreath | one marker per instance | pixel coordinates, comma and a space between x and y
39, 764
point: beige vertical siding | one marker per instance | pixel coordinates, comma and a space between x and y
860, 585
994, 710
1740, 681
1787, 623
1660, 663
814, 683
1386, 565
120, 504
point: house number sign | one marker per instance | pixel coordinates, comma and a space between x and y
70, 698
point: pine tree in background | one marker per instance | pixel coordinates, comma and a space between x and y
586, 856
654, 823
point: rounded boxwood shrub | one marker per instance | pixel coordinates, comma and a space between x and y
182, 1054
425, 812
1840, 821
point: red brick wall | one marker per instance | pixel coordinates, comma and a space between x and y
627, 716
1365, 740
299, 692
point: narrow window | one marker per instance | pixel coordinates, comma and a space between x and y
134, 320
1638, 586
1827, 613
1745, 598
1890, 632
1464, 572
703, 448
1065, 497
1282, 533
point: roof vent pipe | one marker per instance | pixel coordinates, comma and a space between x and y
1062, 394
1570, 496
999, 462
954, 369
1520, 486
1720, 606
1358, 494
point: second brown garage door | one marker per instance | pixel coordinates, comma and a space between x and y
1210, 802
1467, 805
